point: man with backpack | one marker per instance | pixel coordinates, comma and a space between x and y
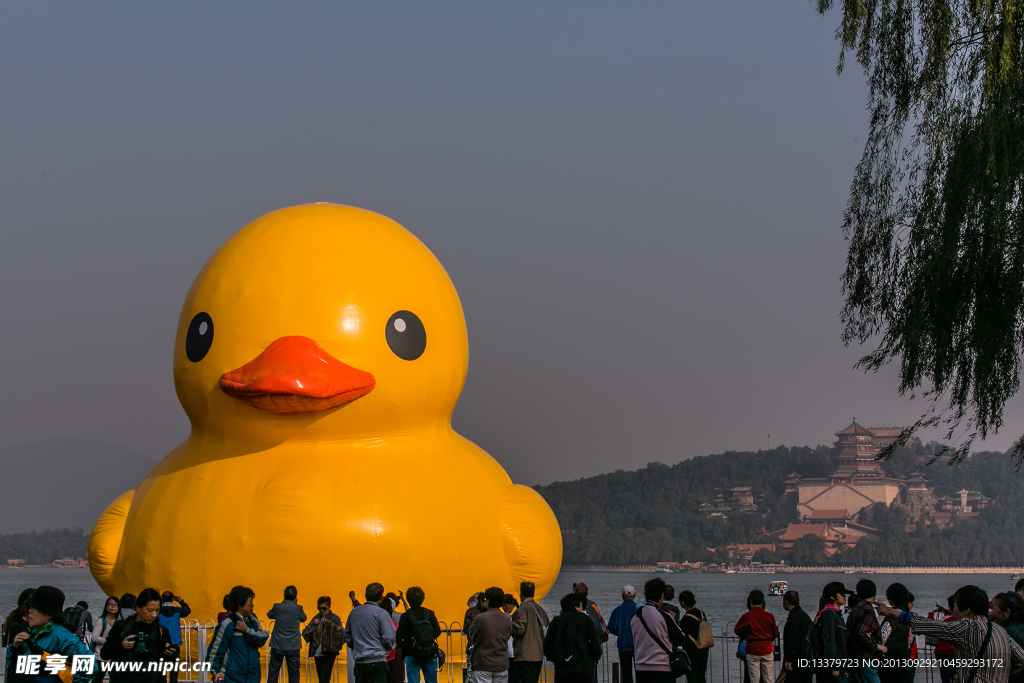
695, 626
573, 644
528, 624
78, 620
794, 639
417, 636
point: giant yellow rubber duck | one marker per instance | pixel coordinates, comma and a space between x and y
319, 355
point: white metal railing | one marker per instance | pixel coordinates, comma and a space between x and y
195, 641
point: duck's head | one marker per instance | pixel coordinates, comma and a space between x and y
323, 315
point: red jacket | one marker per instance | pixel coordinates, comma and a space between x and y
759, 629
944, 648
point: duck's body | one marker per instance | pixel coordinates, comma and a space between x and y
269, 491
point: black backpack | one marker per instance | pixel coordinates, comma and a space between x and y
811, 646
74, 619
423, 645
571, 646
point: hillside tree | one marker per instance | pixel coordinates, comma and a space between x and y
934, 221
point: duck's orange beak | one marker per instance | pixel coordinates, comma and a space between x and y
295, 375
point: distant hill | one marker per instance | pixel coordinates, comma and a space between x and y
652, 514
64, 483
44, 547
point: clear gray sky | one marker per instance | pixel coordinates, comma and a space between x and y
639, 203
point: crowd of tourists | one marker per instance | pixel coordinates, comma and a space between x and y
854, 636
144, 628
861, 637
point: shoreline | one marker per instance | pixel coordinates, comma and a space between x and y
777, 569
773, 569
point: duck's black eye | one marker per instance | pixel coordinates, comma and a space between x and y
405, 335
199, 337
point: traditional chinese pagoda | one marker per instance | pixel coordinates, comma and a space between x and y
857, 481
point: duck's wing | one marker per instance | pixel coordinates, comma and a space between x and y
531, 538
105, 540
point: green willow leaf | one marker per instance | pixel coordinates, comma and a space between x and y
935, 268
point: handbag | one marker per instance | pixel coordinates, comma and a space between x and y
678, 660
741, 650
705, 638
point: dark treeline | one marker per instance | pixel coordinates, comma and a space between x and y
43, 547
651, 514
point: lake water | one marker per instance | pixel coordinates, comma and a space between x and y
77, 584
721, 596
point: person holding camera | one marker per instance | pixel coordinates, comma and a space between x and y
140, 638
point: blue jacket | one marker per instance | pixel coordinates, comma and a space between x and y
236, 654
618, 625
54, 639
170, 617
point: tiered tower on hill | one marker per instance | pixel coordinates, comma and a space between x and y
857, 454
857, 481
